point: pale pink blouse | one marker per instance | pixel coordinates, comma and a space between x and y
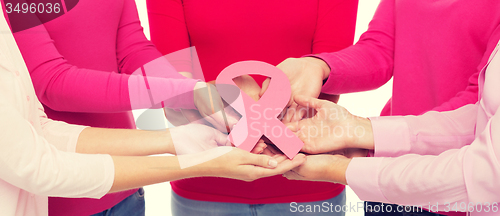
37, 156
438, 158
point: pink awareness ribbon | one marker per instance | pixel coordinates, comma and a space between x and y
259, 117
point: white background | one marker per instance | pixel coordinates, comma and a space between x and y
362, 104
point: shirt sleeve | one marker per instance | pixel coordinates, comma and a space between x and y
60, 134
65, 87
169, 32
335, 26
369, 63
429, 134
462, 175
470, 94
29, 162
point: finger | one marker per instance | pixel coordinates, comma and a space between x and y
300, 113
309, 102
268, 152
285, 166
273, 149
261, 161
280, 157
265, 85
290, 112
259, 148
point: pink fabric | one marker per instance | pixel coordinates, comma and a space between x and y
37, 156
433, 50
466, 170
80, 64
228, 31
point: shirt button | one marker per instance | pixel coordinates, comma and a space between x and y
17, 73
28, 98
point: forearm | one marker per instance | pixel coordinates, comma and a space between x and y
435, 179
428, 134
134, 172
369, 63
124, 142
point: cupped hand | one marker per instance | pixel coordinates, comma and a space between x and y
194, 138
331, 128
242, 165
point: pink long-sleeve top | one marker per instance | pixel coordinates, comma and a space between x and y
81, 64
433, 50
228, 31
37, 155
440, 161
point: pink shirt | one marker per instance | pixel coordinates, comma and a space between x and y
37, 156
439, 159
433, 49
81, 65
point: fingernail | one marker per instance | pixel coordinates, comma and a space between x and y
273, 163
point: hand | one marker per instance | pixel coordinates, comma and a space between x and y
242, 165
331, 128
194, 138
306, 77
324, 167
212, 108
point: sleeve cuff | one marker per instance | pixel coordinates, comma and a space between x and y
73, 139
175, 93
362, 177
391, 136
109, 172
334, 83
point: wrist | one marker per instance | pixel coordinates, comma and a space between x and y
337, 172
170, 148
364, 136
325, 68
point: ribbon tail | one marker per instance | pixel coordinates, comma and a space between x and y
287, 142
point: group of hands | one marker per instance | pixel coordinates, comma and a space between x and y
331, 135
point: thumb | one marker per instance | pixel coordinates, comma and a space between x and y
309, 102
265, 85
262, 161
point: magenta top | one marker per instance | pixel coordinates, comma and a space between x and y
434, 51
80, 64
228, 31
